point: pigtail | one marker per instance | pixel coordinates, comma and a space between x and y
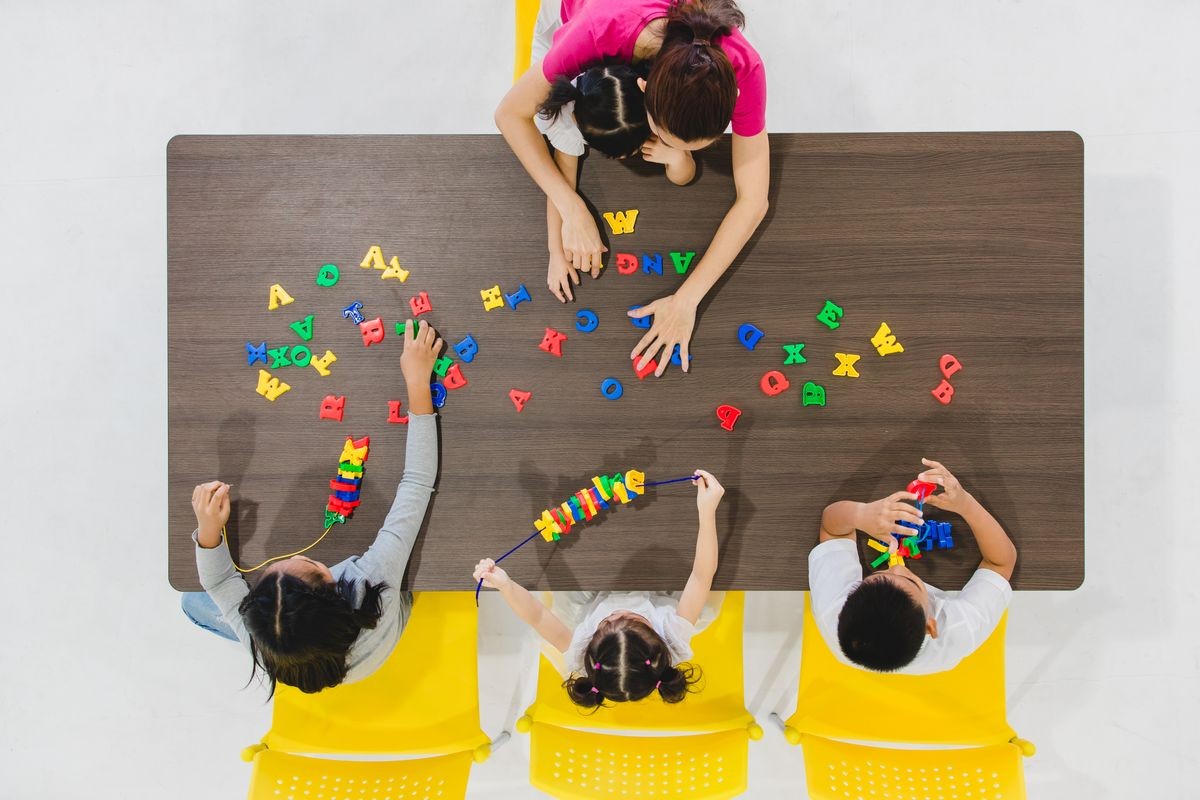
371, 608
675, 683
583, 692
698, 22
562, 91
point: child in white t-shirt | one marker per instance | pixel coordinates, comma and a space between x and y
623, 646
892, 621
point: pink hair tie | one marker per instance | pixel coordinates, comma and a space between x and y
595, 690
647, 662
657, 685
596, 665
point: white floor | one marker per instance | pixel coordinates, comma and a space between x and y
105, 690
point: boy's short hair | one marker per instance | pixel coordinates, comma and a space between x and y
881, 627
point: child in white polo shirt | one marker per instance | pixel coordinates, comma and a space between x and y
892, 621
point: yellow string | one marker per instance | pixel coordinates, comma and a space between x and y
276, 558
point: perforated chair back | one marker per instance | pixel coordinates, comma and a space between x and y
281, 776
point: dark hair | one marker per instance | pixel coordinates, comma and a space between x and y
881, 627
629, 663
300, 633
609, 108
691, 89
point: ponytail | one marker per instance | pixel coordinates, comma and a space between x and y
583, 692
674, 683
562, 91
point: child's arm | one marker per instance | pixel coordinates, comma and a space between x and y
681, 167
998, 551
224, 584
878, 519
525, 605
704, 566
388, 555
560, 267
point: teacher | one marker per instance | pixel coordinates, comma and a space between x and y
703, 75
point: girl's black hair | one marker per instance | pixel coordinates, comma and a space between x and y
300, 633
609, 108
629, 663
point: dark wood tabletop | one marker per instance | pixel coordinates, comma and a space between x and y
964, 244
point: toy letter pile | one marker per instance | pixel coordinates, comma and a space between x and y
589, 501
348, 484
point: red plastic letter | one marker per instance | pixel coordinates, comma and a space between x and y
332, 407
552, 343
420, 304
773, 383
949, 365
651, 365
394, 414
627, 263
944, 392
372, 331
728, 416
519, 398
454, 379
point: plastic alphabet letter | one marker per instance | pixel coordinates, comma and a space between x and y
492, 298
353, 312
394, 270
728, 416
441, 365
677, 359
303, 328
845, 367
682, 260
394, 414
518, 297
921, 489
944, 392
794, 354
627, 263
301, 356
279, 354
270, 387
813, 395
547, 527
279, 297
372, 331
635, 482
420, 304
256, 353
622, 221
601, 489
333, 518
467, 349
552, 342
949, 365
773, 383
884, 341
454, 379
373, 258
438, 391
586, 320
619, 491
328, 275
749, 336
321, 365
651, 365
519, 398
332, 407
830, 314
641, 322
612, 389
652, 264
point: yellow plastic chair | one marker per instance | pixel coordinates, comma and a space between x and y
423, 701
578, 754
282, 776
964, 707
843, 771
526, 18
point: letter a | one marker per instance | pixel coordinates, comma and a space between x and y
374, 258
622, 221
278, 297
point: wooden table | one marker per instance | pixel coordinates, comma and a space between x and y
969, 244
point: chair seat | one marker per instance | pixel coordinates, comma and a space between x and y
282, 776
423, 700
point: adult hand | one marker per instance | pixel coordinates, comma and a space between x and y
952, 497
492, 576
709, 492
416, 362
581, 240
560, 275
878, 519
674, 319
210, 501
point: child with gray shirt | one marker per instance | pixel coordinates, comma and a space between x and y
305, 624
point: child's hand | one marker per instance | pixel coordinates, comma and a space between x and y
952, 497
416, 363
654, 151
878, 519
210, 501
559, 276
492, 576
708, 492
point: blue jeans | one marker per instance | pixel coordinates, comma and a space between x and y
202, 611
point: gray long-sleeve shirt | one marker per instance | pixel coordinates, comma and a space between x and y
385, 560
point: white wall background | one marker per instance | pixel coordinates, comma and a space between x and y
105, 690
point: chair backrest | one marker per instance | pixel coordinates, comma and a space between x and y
423, 700
718, 705
282, 776
526, 20
844, 771
965, 706
582, 765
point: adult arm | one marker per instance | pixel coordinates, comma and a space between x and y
561, 273
675, 315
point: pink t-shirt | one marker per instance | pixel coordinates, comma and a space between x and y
596, 30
